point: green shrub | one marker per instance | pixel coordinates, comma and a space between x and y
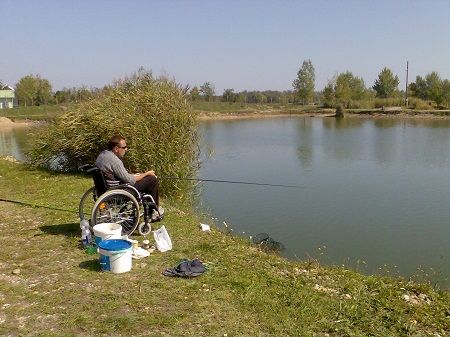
418, 104
153, 115
389, 102
363, 104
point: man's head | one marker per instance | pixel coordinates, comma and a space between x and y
118, 145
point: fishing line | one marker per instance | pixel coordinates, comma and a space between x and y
161, 177
231, 182
38, 206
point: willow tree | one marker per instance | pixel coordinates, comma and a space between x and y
432, 87
348, 88
208, 91
435, 88
34, 90
153, 115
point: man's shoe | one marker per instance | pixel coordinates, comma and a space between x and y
157, 215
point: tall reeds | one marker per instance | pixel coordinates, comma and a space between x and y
153, 115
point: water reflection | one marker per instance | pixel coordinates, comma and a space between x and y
343, 123
305, 141
13, 141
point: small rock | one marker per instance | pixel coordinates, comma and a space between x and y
88, 290
16, 271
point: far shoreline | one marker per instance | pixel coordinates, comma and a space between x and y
325, 113
399, 113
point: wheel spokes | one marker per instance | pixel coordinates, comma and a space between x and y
118, 209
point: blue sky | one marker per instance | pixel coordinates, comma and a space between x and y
240, 45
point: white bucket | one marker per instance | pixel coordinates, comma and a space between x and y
115, 255
107, 231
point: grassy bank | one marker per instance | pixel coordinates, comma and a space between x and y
222, 109
50, 287
32, 113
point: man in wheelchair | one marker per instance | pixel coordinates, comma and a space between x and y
110, 163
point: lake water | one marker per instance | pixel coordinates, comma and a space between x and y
12, 141
375, 192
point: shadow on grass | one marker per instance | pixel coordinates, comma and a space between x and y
68, 229
71, 230
93, 264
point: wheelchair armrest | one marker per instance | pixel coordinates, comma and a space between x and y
127, 187
118, 187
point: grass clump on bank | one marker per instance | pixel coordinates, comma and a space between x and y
50, 287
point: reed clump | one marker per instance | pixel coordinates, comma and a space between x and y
152, 114
339, 111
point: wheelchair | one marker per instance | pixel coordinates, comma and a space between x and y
122, 204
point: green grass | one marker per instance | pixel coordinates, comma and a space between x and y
50, 287
46, 112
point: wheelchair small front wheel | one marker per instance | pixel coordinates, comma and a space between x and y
144, 228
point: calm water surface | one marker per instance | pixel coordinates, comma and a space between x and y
13, 140
375, 192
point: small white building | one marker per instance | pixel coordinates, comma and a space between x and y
7, 97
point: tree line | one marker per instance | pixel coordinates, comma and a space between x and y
344, 89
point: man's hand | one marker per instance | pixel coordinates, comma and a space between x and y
139, 176
150, 173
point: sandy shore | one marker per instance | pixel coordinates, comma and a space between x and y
8, 123
248, 115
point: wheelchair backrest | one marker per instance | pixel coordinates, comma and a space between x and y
99, 180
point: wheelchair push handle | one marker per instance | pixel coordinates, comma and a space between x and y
88, 168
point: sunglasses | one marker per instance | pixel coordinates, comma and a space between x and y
122, 147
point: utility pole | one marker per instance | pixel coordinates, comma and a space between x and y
407, 62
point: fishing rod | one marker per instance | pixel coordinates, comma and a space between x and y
38, 206
231, 182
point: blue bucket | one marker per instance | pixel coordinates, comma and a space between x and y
115, 255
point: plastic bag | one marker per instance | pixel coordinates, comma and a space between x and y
162, 239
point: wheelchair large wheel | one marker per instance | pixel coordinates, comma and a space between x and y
117, 206
87, 203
